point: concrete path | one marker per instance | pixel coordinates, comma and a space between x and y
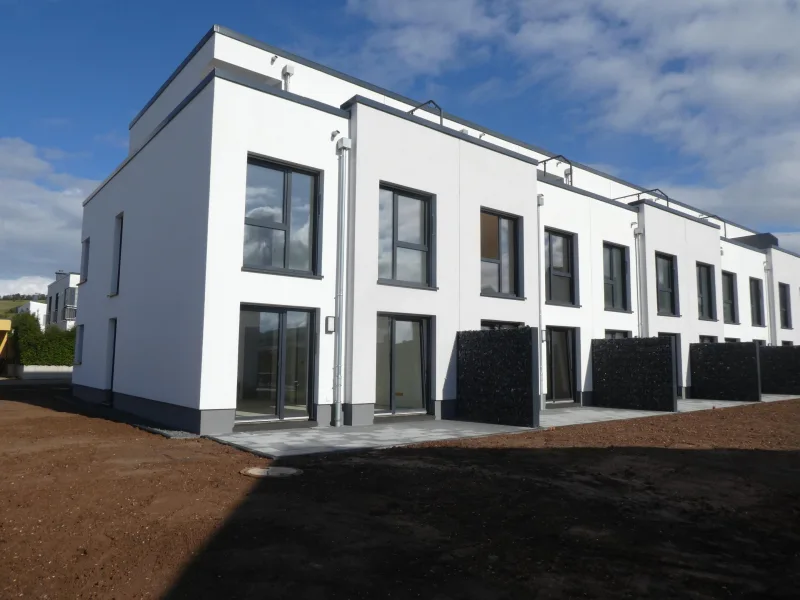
318, 440
296, 442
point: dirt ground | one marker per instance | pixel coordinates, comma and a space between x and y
699, 505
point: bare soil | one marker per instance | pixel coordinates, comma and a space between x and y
699, 505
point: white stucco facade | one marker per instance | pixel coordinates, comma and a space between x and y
37, 309
165, 285
62, 301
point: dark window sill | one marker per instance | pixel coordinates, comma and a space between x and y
732, 323
503, 296
707, 319
662, 314
114, 295
787, 328
619, 310
76, 364
407, 284
757, 325
284, 272
81, 282
564, 304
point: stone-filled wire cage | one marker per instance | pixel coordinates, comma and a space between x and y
498, 376
728, 371
780, 369
635, 373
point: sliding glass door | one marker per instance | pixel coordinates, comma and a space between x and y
275, 359
561, 364
402, 364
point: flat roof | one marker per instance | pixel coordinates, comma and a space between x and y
399, 97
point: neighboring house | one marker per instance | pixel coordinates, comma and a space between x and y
325, 239
62, 300
37, 309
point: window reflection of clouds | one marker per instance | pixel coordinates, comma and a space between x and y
385, 235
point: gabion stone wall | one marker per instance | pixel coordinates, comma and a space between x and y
780, 369
498, 377
635, 373
726, 371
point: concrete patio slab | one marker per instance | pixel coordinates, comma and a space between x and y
318, 440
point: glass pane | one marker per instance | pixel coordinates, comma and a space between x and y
297, 369
663, 276
608, 294
561, 289
383, 390
619, 277
608, 271
263, 247
385, 235
507, 285
259, 334
264, 194
559, 250
665, 302
408, 365
412, 265
490, 244
490, 277
301, 223
560, 366
728, 310
410, 220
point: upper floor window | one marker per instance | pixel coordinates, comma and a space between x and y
667, 284
560, 287
615, 277
84, 260
405, 237
500, 272
785, 302
706, 294
730, 304
280, 219
116, 263
756, 302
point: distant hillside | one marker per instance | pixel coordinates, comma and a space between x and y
7, 307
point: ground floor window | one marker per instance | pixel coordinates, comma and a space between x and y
403, 367
678, 364
613, 334
561, 360
276, 350
500, 325
732, 340
787, 343
708, 339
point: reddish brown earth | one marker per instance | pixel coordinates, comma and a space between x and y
700, 505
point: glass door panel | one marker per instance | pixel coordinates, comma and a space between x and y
408, 365
383, 375
297, 375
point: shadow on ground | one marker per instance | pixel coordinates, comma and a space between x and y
480, 523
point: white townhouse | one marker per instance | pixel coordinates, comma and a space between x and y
62, 301
286, 242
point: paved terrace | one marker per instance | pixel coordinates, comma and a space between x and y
398, 432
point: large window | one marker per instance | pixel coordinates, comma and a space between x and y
667, 285
785, 306
730, 301
706, 294
280, 219
757, 302
615, 277
560, 287
84, 260
405, 237
500, 273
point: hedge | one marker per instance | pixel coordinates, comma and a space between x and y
53, 347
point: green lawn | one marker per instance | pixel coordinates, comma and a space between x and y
7, 307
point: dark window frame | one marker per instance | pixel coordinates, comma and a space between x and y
494, 324
626, 278
78, 352
430, 236
116, 267
762, 321
318, 177
732, 340
675, 309
785, 305
85, 249
518, 246
625, 334
572, 239
708, 339
712, 290
734, 301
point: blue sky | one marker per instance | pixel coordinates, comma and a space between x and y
697, 97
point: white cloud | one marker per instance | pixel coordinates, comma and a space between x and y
24, 285
716, 81
40, 211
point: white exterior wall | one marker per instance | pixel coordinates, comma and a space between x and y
163, 193
690, 242
248, 121
786, 269
593, 222
463, 177
745, 263
37, 309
